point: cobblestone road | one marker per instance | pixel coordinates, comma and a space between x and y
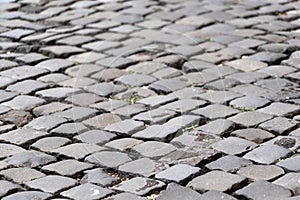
149, 99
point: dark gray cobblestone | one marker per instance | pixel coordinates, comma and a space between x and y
142, 99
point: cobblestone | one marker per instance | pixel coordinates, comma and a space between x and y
198, 93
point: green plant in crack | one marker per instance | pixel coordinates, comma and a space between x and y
133, 100
187, 129
244, 109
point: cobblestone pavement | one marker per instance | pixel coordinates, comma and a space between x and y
150, 99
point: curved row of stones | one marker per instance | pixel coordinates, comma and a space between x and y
145, 99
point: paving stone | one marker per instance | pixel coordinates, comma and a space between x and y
157, 132
277, 70
125, 196
288, 142
58, 183
217, 127
27, 195
261, 172
228, 163
155, 101
260, 154
57, 93
115, 62
24, 102
167, 73
215, 111
83, 70
31, 58
95, 137
105, 89
143, 166
27, 86
185, 122
16, 117
216, 195
7, 187
156, 116
48, 144
98, 176
22, 136
77, 150
76, 113
125, 127
268, 57
216, 180
110, 105
100, 46
222, 84
289, 181
87, 191
45, 122
234, 145
183, 106
146, 67
187, 93
84, 99
16, 34
168, 86
139, 185
290, 164
61, 50
276, 84
54, 65
248, 77
108, 74
177, 173
246, 65
219, 97
130, 110
101, 121
53, 78
135, 80
177, 192
253, 134
250, 119
21, 175
6, 64
249, 102
278, 125
110, 159
3, 165
86, 57
123, 144
78, 82
264, 190
50, 108
280, 109
154, 149
69, 129
5, 95
9, 150
67, 167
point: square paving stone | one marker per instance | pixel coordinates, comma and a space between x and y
95, 137
289, 181
215, 111
21, 175
184, 105
157, 132
261, 172
7, 187
135, 80
247, 77
110, 159
101, 46
219, 97
27, 86
146, 67
216, 195
108, 74
250, 119
178, 192
24, 102
139, 185
290, 164
84, 99
249, 102
234, 145
228, 163
277, 70
67, 167
264, 190
30, 158
105, 89
75, 40
86, 57
125, 196
115, 62
87, 191
16, 34
54, 65
143, 166
101, 121
169, 85
53, 78
262, 154
49, 143
98, 176
57, 93
218, 127
27, 195
109, 105
123, 144
77, 150
62, 51
6, 64
253, 134
9, 150
69, 129
156, 116
216, 180
280, 109
83, 70
178, 173
278, 125
157, 100
288, 142
125, 127
130, 110
76, 113
188, 93
45, 122
246, 65
78, 82
31, 58
22, 136
154, 149
58, 183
